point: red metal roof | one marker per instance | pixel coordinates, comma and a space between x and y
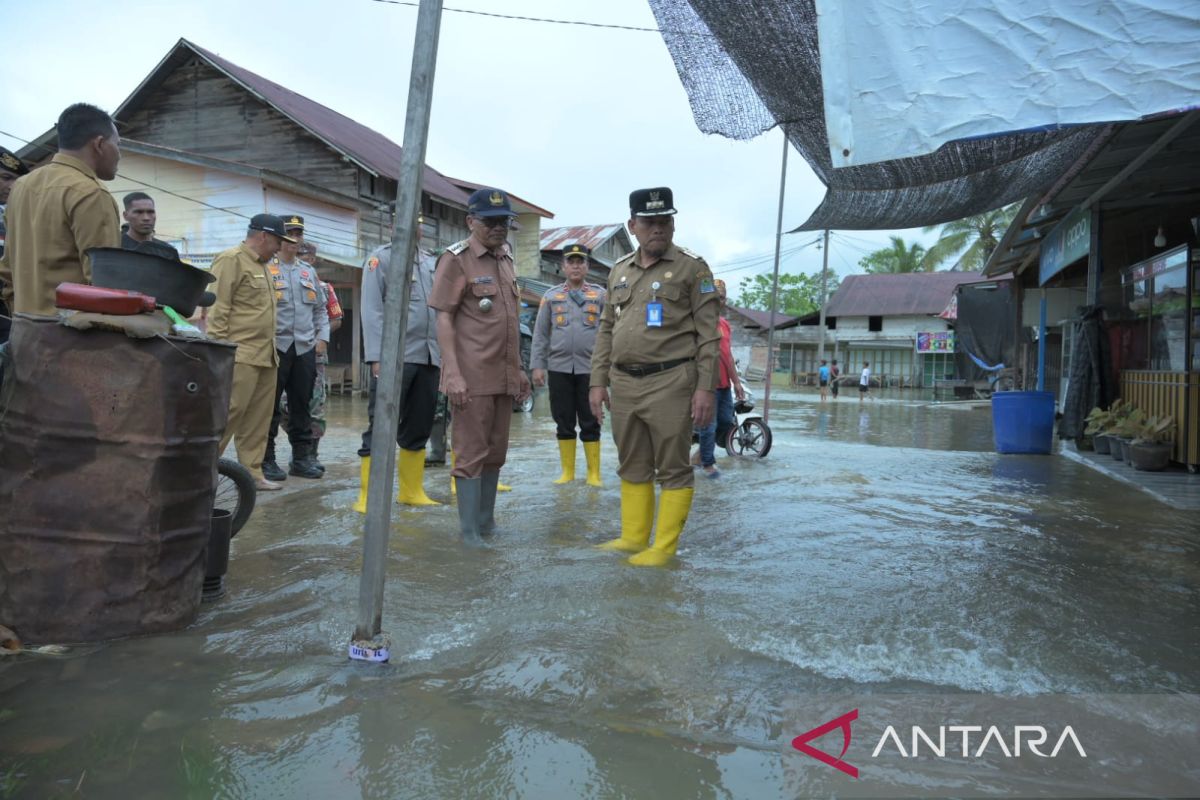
590, 236
907, 294
370, 149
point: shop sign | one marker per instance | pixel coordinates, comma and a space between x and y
1156, 266
1070, 241
935, 342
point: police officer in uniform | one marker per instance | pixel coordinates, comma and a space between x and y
563, 336
301, 334
657, 351
244, 313
422, 369
476, 296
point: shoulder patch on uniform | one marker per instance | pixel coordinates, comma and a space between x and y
458, 247
707, 286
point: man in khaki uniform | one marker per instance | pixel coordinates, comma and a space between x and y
57, 212
477, 300
657, 350
244, 314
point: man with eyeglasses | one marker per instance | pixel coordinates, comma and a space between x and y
657, 350
476, 296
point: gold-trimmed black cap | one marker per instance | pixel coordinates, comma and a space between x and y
655, 202
293, 221
10, 163
577, 251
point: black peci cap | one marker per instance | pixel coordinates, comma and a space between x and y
656, 202
293, 221
269, 223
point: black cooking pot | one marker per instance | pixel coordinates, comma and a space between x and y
171, 283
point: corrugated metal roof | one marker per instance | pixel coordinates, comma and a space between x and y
370, 149
763, 318
590, 236
907, 294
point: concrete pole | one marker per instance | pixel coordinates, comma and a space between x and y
367, 645
824, 297
775, 284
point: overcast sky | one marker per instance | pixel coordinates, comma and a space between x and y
571, 118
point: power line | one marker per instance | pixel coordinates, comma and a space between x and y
551, 21
318, 238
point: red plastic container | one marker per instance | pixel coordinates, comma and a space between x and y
119, 302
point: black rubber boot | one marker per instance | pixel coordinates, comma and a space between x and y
270, 466
302, 465
316, 444
487, 501
468, 510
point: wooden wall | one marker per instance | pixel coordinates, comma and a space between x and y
200, 110
1175, 393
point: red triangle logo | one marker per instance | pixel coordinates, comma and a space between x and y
801, 743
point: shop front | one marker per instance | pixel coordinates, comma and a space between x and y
1156, 343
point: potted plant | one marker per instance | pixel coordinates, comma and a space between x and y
1151, 446
1098, 421
1117, 427
1126, 428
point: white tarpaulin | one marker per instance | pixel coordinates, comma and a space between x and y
903, 77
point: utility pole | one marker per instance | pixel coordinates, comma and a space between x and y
824, 290
775, 282
368, 643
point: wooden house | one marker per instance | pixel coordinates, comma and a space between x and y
214, 143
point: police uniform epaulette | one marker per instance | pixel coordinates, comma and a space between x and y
458, 247
690, 253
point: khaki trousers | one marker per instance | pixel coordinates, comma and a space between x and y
250, 407
479, 435
652, 425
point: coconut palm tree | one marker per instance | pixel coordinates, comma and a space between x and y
970, 240
900, 257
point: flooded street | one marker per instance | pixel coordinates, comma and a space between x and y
882, 549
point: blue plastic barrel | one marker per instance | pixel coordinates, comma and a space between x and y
1023, 422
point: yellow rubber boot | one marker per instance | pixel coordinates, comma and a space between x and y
503, 487
410, 474
566, 454
591, 451
637, 515
364, 473
673, 508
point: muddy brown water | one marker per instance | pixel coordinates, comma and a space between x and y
877, 549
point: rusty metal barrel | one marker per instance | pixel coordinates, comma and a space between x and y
108, 453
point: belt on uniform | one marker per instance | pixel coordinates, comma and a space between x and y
642, 370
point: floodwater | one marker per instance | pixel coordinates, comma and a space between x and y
881, 548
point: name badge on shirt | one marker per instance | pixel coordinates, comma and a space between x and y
654, 315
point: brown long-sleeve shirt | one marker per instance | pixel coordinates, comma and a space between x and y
244, 312
689, 316
486, 342
54, 214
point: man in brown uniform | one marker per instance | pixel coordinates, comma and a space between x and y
56, 213
657, 349
476, 297
244, 313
